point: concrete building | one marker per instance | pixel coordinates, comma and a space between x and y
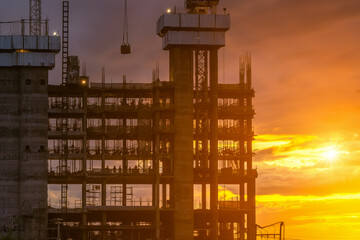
111, 144
149, 158
158, 160
24, 64
121, 156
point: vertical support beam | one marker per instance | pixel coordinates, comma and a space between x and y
201, 108
46, 27
203, 196
156, 162
241, 226
103, 203
84, 165
63, 171
251, 219
242, 149
103, 152
84, 124
181, 73
103, 147
241, 70
251, 191
164, 195
103, 222
248, 70
65, 41
125, 152
124, 195
22, 144
84, 215
63, 163
214, 142
248, 109
23, 27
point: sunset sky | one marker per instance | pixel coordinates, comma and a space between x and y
306, 75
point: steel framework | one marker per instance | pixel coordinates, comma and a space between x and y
202, 105
35, 17
64, 104
65, 41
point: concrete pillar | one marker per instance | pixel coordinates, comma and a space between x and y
203, 196
103, 203
23, 134
84, 214
156, 164
251, 215
83, 195
23, 144
181, 66
214, 142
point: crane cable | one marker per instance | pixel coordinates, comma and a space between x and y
125, 33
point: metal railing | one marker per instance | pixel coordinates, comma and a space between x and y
22, 27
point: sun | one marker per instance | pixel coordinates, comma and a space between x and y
331, 154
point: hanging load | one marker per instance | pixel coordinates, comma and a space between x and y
125, 46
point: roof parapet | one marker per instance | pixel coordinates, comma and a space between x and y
28, 51
193, 29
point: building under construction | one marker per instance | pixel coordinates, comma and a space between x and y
157, 160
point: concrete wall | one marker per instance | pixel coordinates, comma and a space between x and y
23, 154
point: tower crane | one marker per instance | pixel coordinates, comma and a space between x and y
35, 17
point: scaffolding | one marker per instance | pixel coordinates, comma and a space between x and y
93, 195
116, 195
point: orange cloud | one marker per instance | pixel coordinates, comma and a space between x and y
307, 217
305, 164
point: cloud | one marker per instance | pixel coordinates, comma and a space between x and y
301, 50
286, 150
301, 164
309, 216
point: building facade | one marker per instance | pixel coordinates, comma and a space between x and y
125, 149
24, 64
159, 160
